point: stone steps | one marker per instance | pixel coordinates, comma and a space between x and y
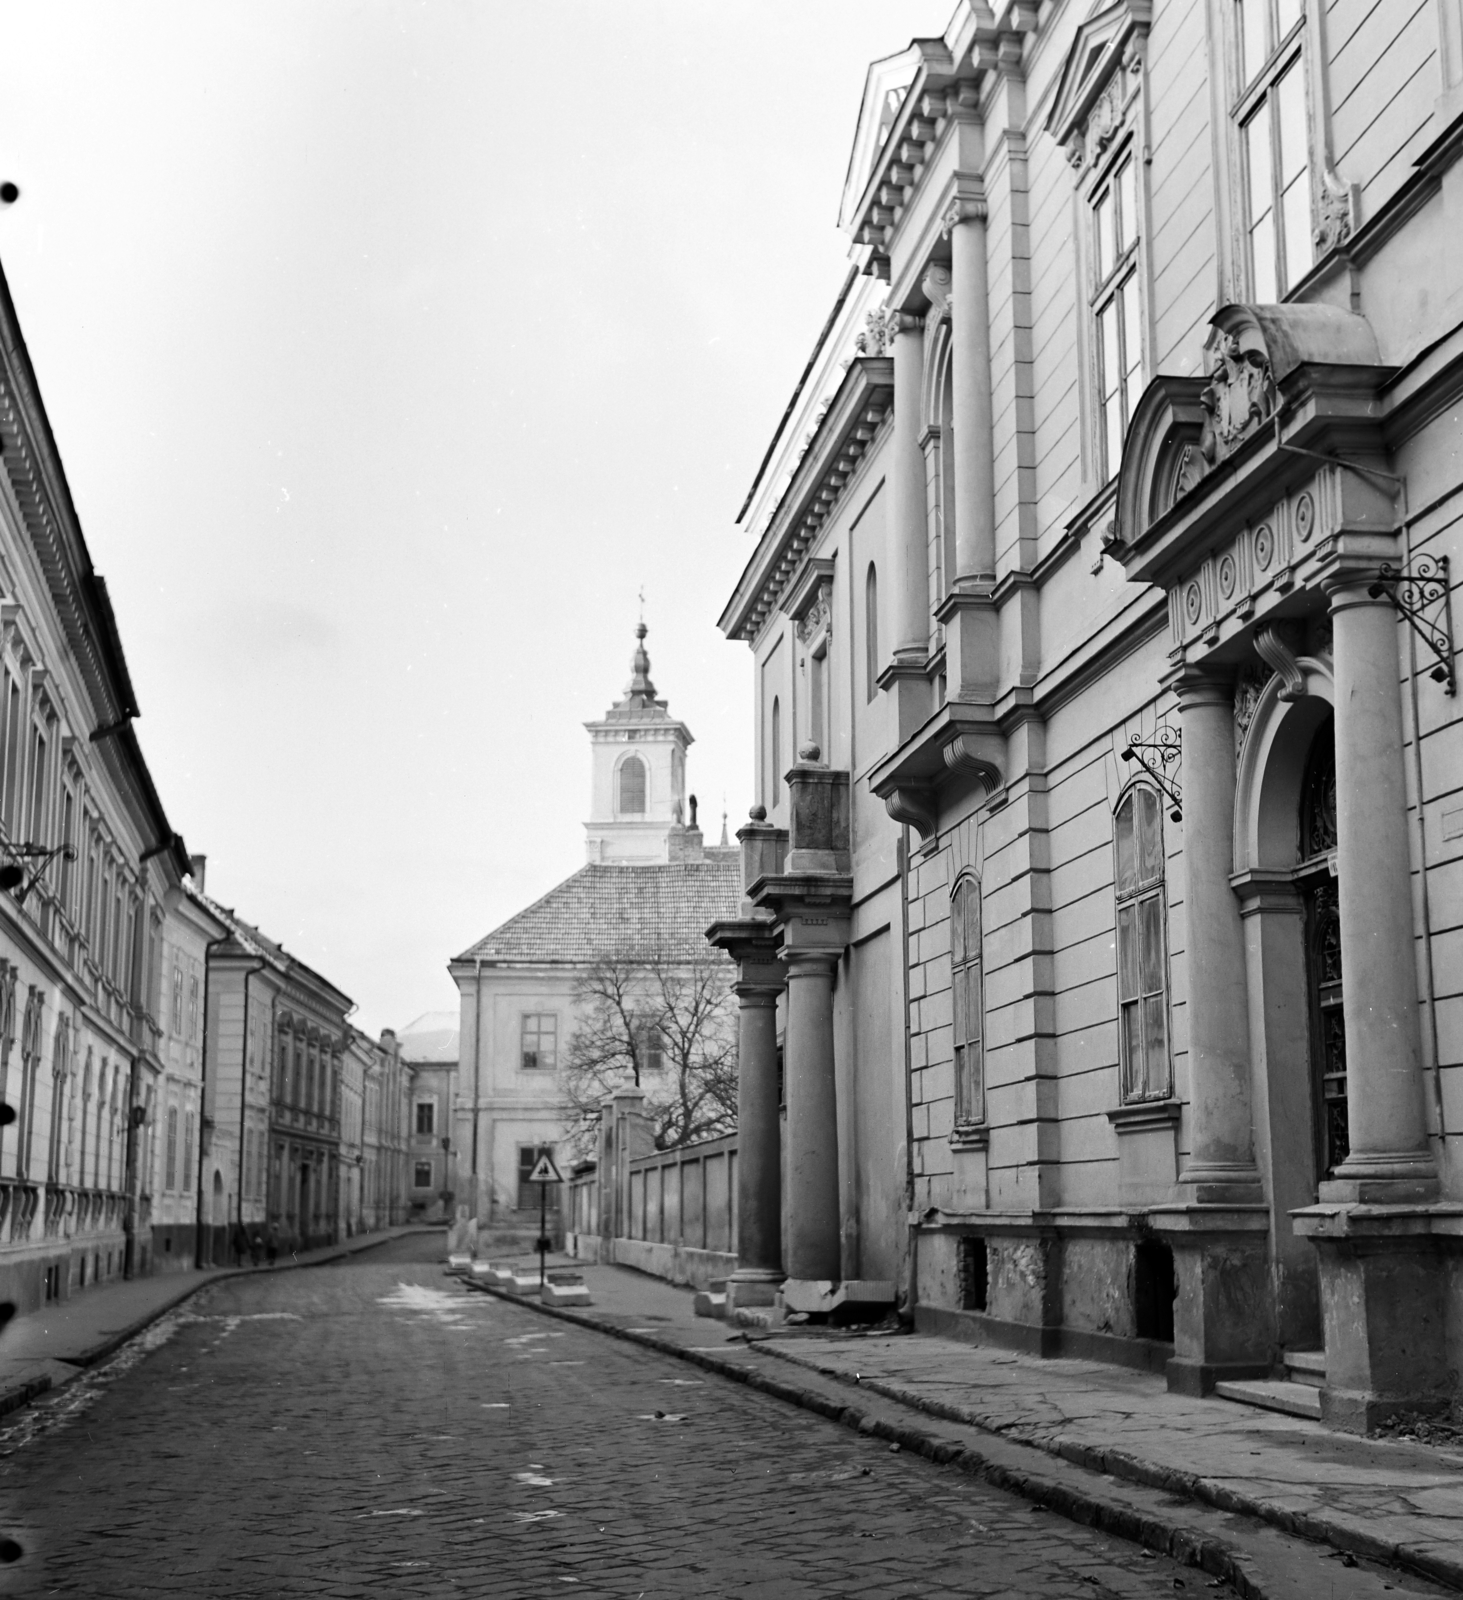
1306, 1366
1274, 1394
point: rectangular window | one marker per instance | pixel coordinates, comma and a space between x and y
170, 1176
12, 753
540, 1041
193, 1006
39, 821
188, 1151
422, 1178
426, 1116
1115, 308
177, 1000
68, 865
1274, 145
1142, 949
965, 981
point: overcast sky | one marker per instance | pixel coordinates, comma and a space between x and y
391, 348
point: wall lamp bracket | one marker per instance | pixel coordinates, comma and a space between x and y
1420, 592
32, 859
1156, 756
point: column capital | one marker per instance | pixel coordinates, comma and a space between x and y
962, 208
1195, 686
759, 991
810, 963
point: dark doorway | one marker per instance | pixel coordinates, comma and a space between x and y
1323, 950
1154, 1289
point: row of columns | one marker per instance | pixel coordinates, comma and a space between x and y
971, 651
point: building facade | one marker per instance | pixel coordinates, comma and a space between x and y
386, 1096
89, 863
1101, 891
171, 1133
650, 885
429, 1049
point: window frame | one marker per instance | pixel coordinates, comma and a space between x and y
1252, 95
418, 1167
967, 978
537, 1018
1143, 891
621, 809
429, 1105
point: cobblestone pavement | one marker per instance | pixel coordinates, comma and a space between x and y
371, 1428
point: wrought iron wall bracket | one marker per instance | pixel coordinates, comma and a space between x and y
13, 872
1156, 756
1420, 592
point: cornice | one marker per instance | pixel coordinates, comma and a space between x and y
844, 434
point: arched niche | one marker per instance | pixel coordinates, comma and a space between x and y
1272, 765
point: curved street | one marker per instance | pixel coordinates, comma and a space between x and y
373, 1428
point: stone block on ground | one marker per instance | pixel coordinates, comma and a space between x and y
565, 1294
458, 1261
710, 1304
823, 1297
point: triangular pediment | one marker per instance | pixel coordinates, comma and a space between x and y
885, 88
1095, 54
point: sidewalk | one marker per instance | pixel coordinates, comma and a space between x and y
47, 1348
1098, 1429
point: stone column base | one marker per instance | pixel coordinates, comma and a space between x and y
1385, 1277
822, 1297
752, 1286
1224, 1310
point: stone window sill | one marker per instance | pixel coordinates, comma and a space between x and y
970, 1138
1141, 1115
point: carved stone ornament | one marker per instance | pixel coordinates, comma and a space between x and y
819, 615
1335, 211
1247, 691
962, 208
936, 285
1276, 644
880, 326
1238, 399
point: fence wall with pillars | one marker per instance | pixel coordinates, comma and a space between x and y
679, 1219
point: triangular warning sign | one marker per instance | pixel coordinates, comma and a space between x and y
545, 1171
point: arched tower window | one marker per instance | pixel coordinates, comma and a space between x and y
969, 1010
871, 633
1142, 947
776, 784
632, 787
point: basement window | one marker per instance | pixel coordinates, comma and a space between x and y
973, 1271
1154, 1291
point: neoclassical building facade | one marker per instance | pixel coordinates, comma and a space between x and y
1102, 893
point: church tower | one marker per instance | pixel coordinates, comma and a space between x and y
638, 785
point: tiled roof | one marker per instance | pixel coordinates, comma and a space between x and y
605, 909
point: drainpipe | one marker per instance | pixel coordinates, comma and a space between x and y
477, 1085
911, 1291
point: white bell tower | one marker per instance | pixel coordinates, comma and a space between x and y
638, 783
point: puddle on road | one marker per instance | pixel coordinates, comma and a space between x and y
448, 1309
535, 1480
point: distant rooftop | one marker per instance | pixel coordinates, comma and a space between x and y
432, 1037
605, 909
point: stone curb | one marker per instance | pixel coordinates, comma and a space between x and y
1172, 1539
21, 1394
1171, 1480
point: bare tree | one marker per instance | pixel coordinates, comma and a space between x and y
661, 1024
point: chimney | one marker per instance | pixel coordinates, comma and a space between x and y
197, 866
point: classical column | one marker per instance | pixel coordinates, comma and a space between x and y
759, 1145
1221, 1166
970, 395
812, 1119
1390, 1157
907, 491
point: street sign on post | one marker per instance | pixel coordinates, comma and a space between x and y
544, 1173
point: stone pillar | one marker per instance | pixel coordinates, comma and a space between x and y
1384, 1279
905, 676
813, 1252
1224, 1309
970, 395
1390, 1157
759, 1145
1221, 1166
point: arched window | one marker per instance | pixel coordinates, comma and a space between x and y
776, 785
965, 965
1142, 947
871, 633
632, 787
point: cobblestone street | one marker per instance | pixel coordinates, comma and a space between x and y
373, 1428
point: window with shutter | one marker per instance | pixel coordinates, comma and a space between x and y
1142, 947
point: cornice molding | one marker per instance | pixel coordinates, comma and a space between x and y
844, 434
